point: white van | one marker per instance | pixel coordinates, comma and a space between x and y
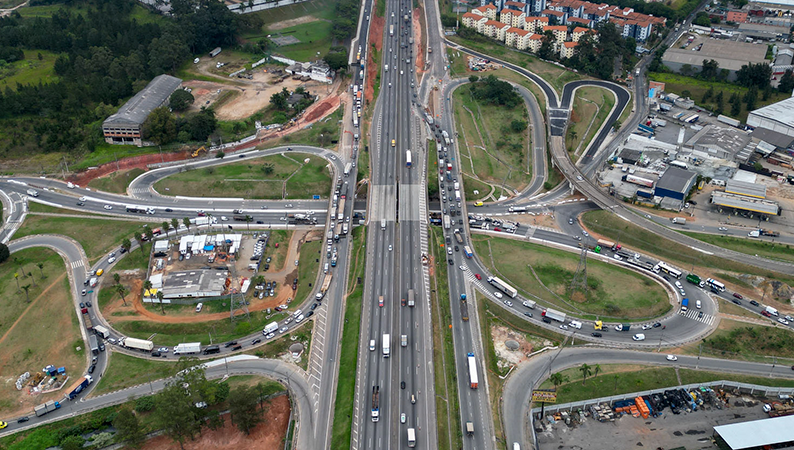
575, 324
325, 268
199, 306
639, 337
372, 345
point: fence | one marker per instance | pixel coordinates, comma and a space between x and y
743, 387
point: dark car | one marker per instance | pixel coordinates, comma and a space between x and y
260, 222
457, 249
596, 334
80, 203
402, 302
122, 250
546, 320
528, 314
267, 267
88, 304
754, 303
102, 347
402, 383
169, 210
657, 325
309, 314
237, 347
23, 419
154, 353
256, 341
91, 369
229, 344
738, 295
700, 314
314, 306
82, 305
451, 262
737, 302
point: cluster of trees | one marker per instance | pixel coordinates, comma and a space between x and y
105, 56
704, 20
163, 127
494, 91
345, 19
280, 101
597, 58
337, 58
182, 410
659, 9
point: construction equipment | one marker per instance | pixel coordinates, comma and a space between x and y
199, 150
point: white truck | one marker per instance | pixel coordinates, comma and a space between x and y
678, 220
102, 331
187, 348
529, 304
270, 328
386, 345
139, 344
771, 311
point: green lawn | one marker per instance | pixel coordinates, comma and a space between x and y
677, 84
591, 107
612, 227
621, 379
116, 182
36, 207
321, 134
322, 9
30, 71
744, 341
471, 184
613, 291
104, 153
97, 236
314, 37
489, 149
274, 177
751, 246
432, 170
135, 259
309, 264
125, 371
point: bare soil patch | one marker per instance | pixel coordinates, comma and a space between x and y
376, 42
291, 23
501, 334
269, 434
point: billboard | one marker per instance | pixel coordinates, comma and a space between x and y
544, 395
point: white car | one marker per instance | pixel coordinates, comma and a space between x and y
672, 358
82, 199
722, 229
163, 349
783, 321
224, 218
108, 207
462, 268
390, 247
509, 303
111, 260
638, 337
497, 294
299, 319
563, 327
646, 327
402, 418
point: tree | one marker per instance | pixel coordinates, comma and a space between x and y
72, 442
596, 369
546, 50
707, 95
203, 124
244, 411
720, 103
248, 220
558, 378
473, 78
702, 19
126, 244
4, 253
518, 126
173, 413
754, 75
220, 154
160, 296
160, 126
165, 226
337, 60
116, 278
586, 371
279, 100
41, 269
147, 285
26, 288
175, 224
186, 221
785, 86
710, 70
128, 429
122, 291
149, 233
181, 100
138, 240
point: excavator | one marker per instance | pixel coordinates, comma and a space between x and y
199, 150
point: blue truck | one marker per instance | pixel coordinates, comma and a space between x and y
81, 384
684, 304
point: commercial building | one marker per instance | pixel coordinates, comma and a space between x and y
755, 190
775, 432
730, 55
317, 71
722, 143
778, 117
675, 183
124, 127
733, 202
194, 284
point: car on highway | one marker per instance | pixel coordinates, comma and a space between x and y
766, 314
111, 260
563, 327
508, 303
380, 301
596, 334
722, 229
224, 219
657, 324
783, 321
256, 341
451, 262
83, 292
169, 210
88, 304
82, 305
163, 349
390, 247
497, 294
672, 358
462, 268
638, 337
700, 314
528, 314
272, 335
23, 419
646, 326
402, 417
283, 329
80, 203
578, 178
82, 199
449, 250
478, 276
402, 384
585, 233
3, 424
457, 249
108, 207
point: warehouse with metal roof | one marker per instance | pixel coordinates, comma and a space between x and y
675, 183
755, 190
775, 432
124, 127
741, 203
777, 117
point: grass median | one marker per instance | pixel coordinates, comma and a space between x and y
591, 106
750, 246
124, 371
613, 227
115, 182
447, 400
348, 355
545, 274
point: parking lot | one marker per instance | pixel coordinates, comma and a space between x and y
690, 430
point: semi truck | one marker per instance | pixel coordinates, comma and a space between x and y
386, 345
728, 120
554, 315
472, 370
93, 344
324, 288
391, 30
694, 279
638, 180
102, 331
138, 344
411, 298
87, 321
375, 403
241, 218
411, 437
609, 244
187, 348
79, 386
458, 237
44, 408
464, 308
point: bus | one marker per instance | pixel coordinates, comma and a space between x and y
714, 284
467, 251
407, 158
472, 370
661, 266
502, 286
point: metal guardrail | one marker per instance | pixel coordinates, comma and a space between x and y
750, 388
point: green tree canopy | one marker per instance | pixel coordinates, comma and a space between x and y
181, 100
160, 126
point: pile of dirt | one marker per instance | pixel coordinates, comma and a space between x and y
376, 26
269, 434
420, 50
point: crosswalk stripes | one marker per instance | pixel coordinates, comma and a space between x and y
76, 264
693, 314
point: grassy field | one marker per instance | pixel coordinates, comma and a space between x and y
272, 177
30, 71
612, 227
35, 207
104, 153
447, 400
308, 267
348, 359
750, 341
613, 291
314, 37
591, 106
750, 246
554, 75
677, 84
97, 236
616, 379
432, 170
278, 255
28, 333
475, 189
116, 182
125, 371
321, 134
489, 150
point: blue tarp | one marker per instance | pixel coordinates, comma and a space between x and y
209, 248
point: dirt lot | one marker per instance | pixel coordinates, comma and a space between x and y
291, 23
269, 434
501, 334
